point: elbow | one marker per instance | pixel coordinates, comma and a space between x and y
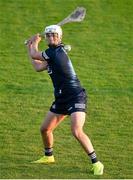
38, 70
39, 65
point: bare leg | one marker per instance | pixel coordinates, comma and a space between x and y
77, 122
51, 121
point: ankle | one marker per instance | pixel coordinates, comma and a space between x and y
93, 157
48, 151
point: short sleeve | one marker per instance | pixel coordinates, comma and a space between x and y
45, 55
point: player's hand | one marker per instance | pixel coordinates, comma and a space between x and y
36, 38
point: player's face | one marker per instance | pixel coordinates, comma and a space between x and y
53, 39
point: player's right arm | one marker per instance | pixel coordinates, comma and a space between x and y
35, 55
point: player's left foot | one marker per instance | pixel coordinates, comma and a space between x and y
98, 168
45, 160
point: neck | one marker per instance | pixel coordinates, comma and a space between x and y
54, 45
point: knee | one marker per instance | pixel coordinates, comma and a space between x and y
45, 130
77, 132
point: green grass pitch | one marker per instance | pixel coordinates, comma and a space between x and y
102, 54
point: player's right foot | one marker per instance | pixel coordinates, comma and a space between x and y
98, 168
45, 160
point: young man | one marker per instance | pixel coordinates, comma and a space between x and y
70, 97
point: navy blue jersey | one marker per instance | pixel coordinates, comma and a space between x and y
61, 71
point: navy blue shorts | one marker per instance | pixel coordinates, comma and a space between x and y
75, 104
